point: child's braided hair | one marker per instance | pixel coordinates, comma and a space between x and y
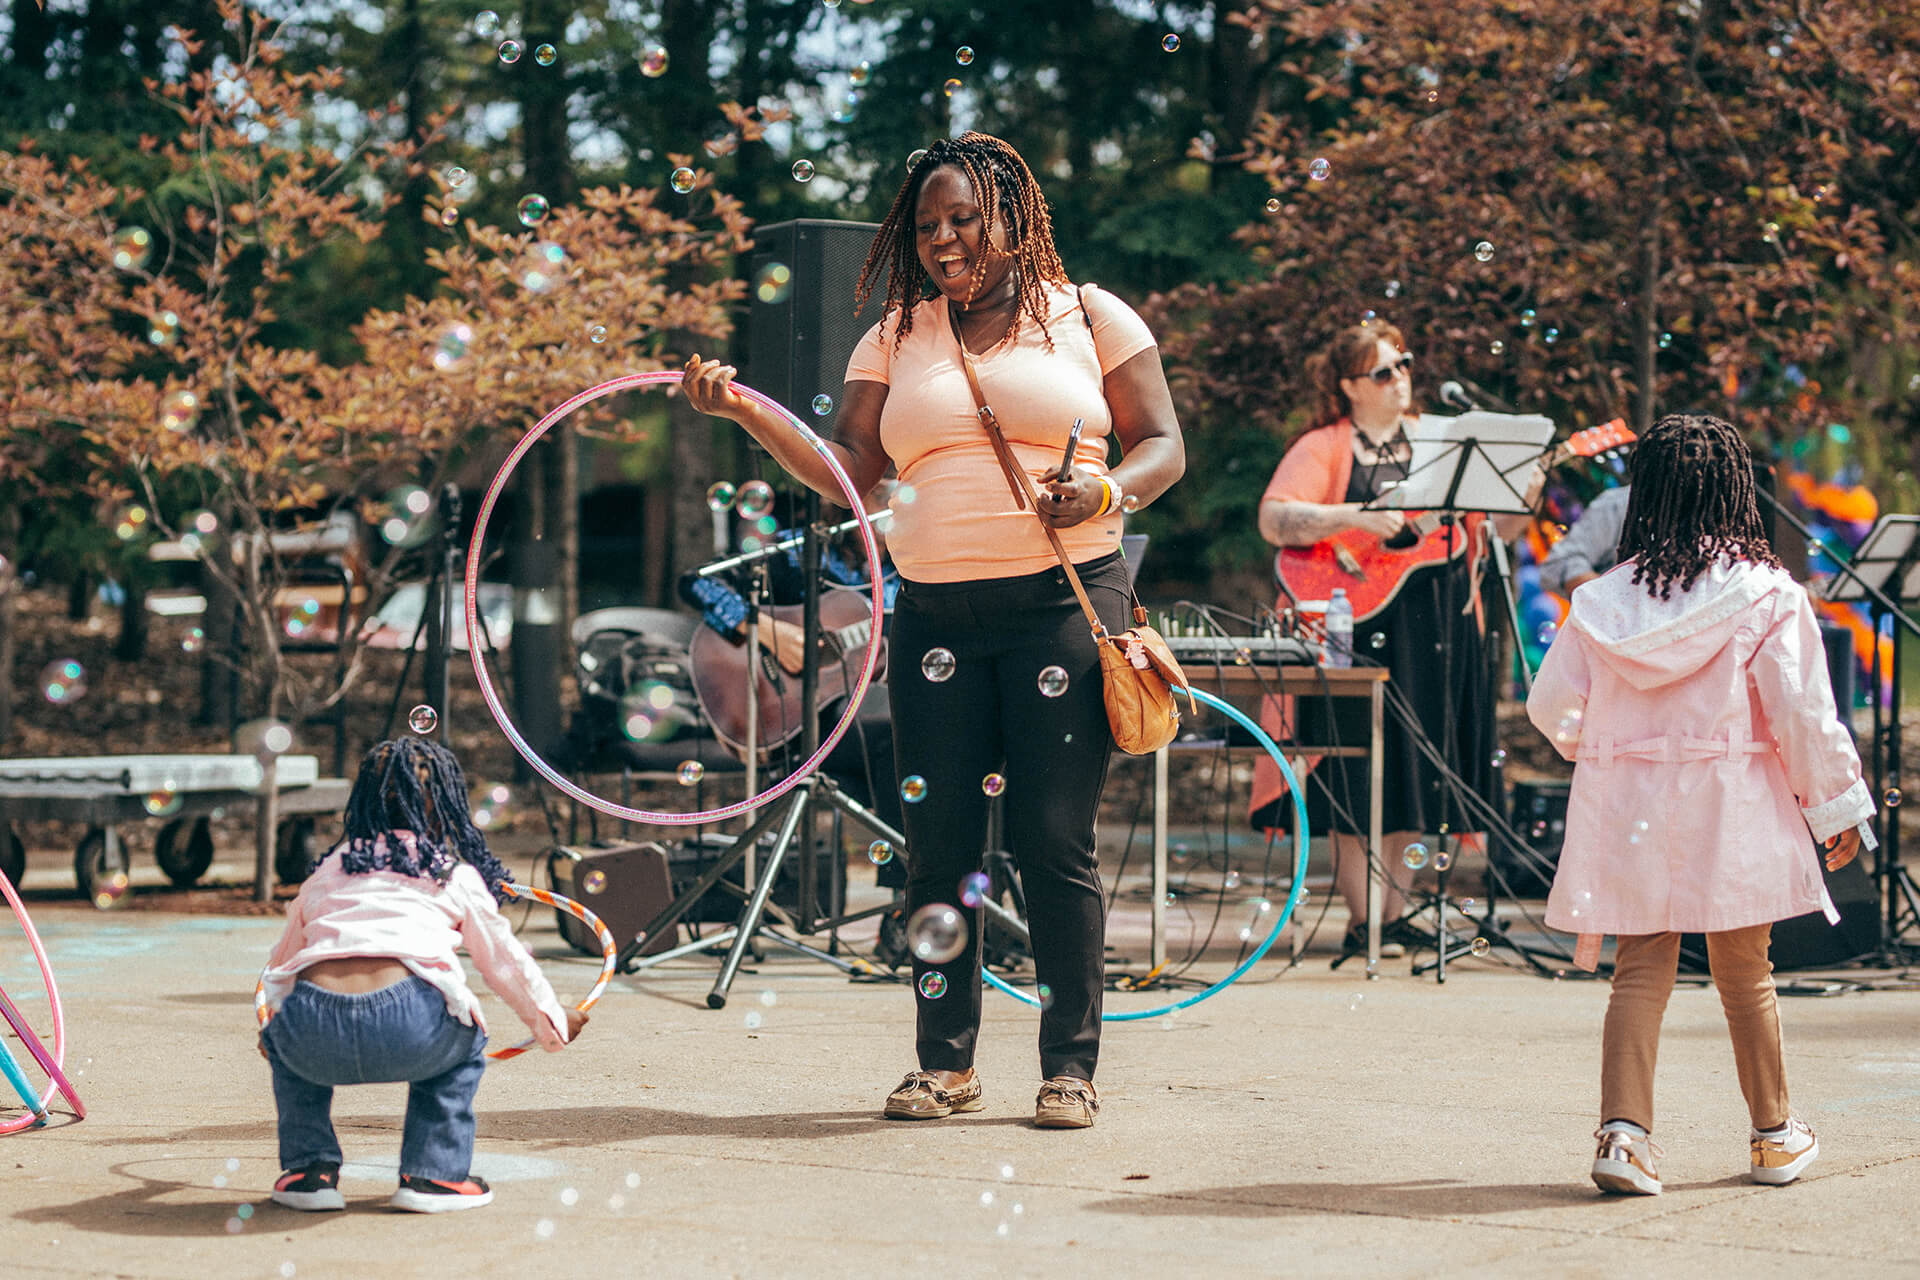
1006, 189
1693, 503
413, 785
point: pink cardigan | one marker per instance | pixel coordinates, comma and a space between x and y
1706, 748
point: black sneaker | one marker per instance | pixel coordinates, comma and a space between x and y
312, 1189
426, 1195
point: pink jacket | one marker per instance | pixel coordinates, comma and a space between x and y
424, 926
1706, 746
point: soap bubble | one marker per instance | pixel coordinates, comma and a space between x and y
974, 888
720, 495
933, 984
263, 739
545, 54
1546, 632
1527, 318
1319, 170
1479, 946
913, 788
822, 404
543, 1229
130, 523
963, 55
108, 890
860, 73
1567, 731
423, 719
1497, 347
1377, 641
1892, 798
769, 999
63, 682
595, 881
951, 87
937, 665
1273, 204
653, 62
1499, 760
164, 799
803, 171
452, 348
1483, 252
533, 209
486, 22
993, 784
753, 1019
1415, 855
937, 933
194, 640
450, 216
1442, 859
1232, 880
1550, 335
179, 410
755, 500
773, 282
916, 156
132, 246
162, 328
1170, 42
510, 51
880, 853
597, 334
1666, 341
1053, 682
682, 180
690, 772
1771, 233
1393, 289
1637, 833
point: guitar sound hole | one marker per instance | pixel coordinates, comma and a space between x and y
1401, 540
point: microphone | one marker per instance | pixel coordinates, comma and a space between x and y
1455, 396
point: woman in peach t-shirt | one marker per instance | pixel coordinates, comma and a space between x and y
998, 688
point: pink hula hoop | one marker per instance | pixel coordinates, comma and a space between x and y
50, 1063
663, 377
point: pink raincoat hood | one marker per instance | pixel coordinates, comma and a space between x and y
1649, 642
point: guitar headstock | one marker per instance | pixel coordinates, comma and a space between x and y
1594, 441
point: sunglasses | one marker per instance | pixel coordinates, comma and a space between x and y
1384, 374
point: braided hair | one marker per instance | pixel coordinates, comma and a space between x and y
1692, 503
1005, 188
415, 786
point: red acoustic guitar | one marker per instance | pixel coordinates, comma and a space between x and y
719, 668
1373, 571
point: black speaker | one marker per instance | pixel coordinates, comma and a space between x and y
1840, 668
1539, 814
800, 326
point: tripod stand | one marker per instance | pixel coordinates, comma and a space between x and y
1460, 467
791, 818
1885, 572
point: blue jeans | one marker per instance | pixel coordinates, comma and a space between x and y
323, 1038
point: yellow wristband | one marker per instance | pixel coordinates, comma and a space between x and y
1106, 497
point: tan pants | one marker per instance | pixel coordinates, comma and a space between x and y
1643, 972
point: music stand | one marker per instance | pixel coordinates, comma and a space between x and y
1885, 573
1462, 466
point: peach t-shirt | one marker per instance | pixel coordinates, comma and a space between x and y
954, 518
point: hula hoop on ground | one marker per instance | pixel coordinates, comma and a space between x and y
52, 1062
609, 951
1286, 913
663, 377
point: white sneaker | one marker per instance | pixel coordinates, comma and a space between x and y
1780, 1158
1624, 1163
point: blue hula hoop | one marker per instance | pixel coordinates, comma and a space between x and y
1300, 845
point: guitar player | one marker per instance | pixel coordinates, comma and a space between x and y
1355, 448
862, 763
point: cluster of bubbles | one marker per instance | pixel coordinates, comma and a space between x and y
423, 719
406, 523
773, 282
453, 346
490, 807
131, 248
63, 682
179, 410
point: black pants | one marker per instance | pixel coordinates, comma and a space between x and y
990, 716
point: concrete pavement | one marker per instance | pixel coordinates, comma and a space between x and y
1304, 1122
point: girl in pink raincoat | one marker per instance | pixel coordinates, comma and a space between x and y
1689, 687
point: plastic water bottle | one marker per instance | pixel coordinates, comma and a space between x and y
1339, 629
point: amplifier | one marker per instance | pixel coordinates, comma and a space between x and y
626, 885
